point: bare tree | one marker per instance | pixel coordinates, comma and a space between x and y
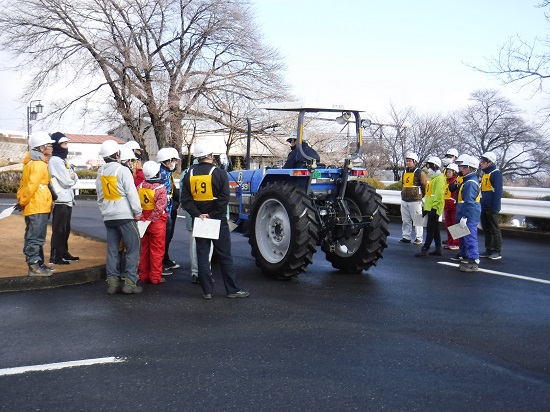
492, 123
158, 58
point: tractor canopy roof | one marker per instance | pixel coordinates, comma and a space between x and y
310, 106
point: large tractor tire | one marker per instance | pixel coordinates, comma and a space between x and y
283, 230
361, 248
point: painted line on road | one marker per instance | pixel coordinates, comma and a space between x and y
495, 272
59, 365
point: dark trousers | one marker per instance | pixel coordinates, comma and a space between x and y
493, 237
61, 229
432, 231
223, 247
170, 226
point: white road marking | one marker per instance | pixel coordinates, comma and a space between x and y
60, 365
495, 272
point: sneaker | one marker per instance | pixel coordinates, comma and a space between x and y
458, 258
494, 256
470, 266
195, 279
70, 258
485, 254
207, 296
239, 294
423, 252
37, 270
453, 247
405, 240
436, 252
418, 241
43, 266
130, 289
162, 280
446, 247
60, 262
170, 264
166, 272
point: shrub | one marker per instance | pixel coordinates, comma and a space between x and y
373, 181
395, 186
9, 181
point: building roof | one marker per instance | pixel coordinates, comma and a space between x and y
92, 138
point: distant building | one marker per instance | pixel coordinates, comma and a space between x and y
84, 149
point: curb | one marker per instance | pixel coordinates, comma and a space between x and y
77, 277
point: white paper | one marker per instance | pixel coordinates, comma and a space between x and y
207, 228
142, 226
419, 220
7, 212
458, 231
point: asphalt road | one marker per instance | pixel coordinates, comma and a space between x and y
409, 334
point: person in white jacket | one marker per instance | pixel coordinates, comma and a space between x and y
120, 208
63, 178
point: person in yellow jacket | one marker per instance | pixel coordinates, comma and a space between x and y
434, 202
34, 199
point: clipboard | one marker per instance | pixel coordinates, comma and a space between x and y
206, 228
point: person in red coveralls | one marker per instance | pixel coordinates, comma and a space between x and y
450, 205
152, 195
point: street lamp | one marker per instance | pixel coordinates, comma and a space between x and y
33, 109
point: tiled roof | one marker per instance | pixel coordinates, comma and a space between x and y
92, 138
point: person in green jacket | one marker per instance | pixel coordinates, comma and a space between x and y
434, 202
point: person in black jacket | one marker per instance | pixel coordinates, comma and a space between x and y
295, 160
205, 195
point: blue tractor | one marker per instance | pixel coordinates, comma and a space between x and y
289, 213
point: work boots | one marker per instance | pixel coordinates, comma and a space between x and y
130, 287
114, 286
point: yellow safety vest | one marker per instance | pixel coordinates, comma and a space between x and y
408, 179
110, 187
486, 185
147, 197
201, 186
460, 200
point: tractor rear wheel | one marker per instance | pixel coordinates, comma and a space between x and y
283, 230
361, 248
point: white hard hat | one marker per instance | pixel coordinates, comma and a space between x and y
452, 152
294, 136
412, 156
435, 161
132, 144
151, 169
470, 161
453, 166
460, 159
201, 149
39, 139
174, 153
108, 148
490, 156
167, 153
126, 154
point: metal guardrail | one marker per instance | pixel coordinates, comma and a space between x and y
517, 192
522, 207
